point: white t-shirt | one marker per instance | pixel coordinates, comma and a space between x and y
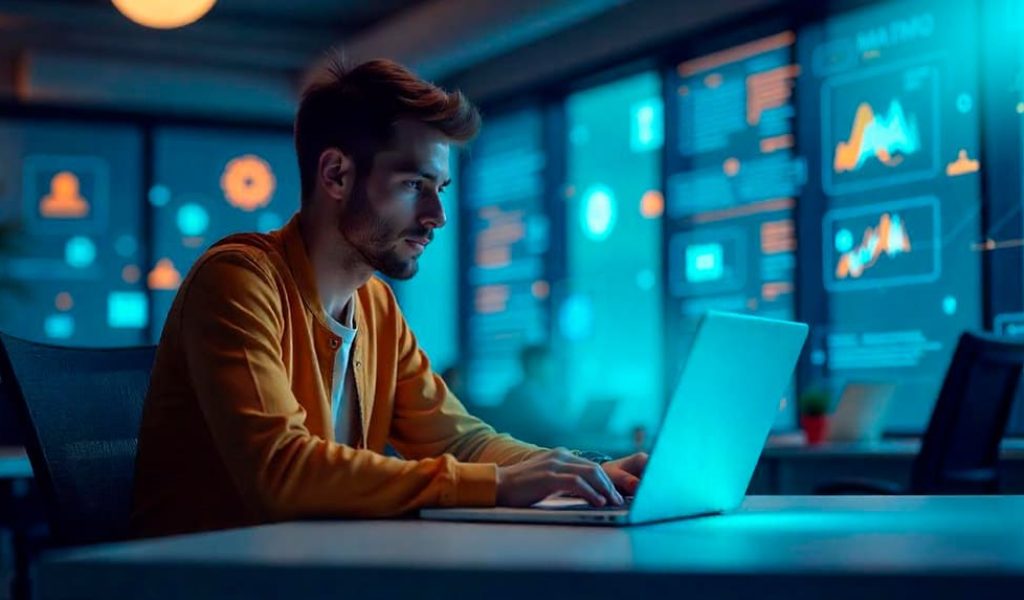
343, 389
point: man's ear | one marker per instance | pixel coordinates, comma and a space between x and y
336, 173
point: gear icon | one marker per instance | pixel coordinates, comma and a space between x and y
248, 182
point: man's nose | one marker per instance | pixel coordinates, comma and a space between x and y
433, 215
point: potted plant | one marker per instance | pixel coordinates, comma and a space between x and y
813, 405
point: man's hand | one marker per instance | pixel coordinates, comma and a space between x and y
552, 472
625, 472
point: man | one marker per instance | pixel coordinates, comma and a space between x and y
285, 366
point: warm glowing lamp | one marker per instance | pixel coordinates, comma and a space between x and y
164, 14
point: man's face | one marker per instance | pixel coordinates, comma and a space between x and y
395, 208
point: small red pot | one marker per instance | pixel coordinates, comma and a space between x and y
815, 428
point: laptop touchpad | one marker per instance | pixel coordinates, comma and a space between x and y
561, 503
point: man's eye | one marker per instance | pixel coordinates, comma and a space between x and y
414, 184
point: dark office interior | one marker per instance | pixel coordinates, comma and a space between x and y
658, 193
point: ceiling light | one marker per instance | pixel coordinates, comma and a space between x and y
164, 14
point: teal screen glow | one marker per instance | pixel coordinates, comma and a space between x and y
129, 310
610, 304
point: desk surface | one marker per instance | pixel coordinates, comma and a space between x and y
825, 547
14, 463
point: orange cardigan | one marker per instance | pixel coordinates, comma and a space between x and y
236, 428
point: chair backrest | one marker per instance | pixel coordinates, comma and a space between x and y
81, 409
11, 433
960, 450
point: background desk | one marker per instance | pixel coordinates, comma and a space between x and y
788, 466
774, 547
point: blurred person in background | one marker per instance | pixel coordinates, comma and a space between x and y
534, 409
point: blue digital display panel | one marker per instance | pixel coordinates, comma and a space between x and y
506, 229
733, 181
892, 100
209, 184
71, 207
608, 307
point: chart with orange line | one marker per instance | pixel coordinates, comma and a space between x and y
888, 237
880, 128
883, 245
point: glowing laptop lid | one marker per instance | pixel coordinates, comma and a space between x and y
719, 417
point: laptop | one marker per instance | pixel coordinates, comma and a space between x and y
861, 412
711, 438
597, 415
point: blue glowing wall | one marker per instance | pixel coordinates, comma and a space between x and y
209, 184
610, 304
892, 105
506, 238
71, 272
734, 180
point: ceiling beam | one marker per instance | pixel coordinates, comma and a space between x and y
626, 30
439, 37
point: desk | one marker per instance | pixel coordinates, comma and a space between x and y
14, 463
773, 547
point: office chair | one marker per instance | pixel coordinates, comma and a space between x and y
81, 410
960, 450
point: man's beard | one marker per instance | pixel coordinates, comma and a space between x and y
377, 248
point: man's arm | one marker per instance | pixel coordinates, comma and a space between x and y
430, 421
231, 333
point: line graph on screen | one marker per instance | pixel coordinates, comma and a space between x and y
887, 137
